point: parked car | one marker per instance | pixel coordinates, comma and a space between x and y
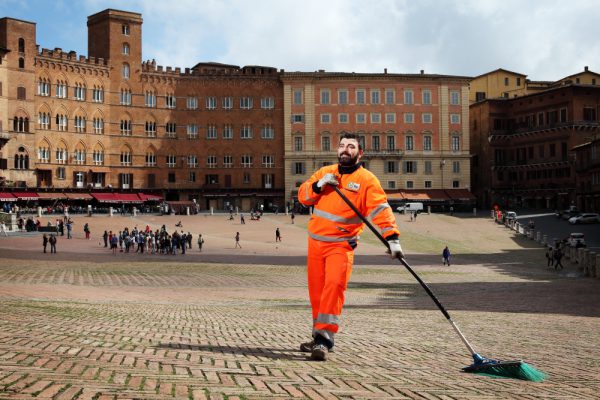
511, 215
576, 240
586, 218
568, 213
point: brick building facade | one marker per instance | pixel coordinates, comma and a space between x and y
219, 134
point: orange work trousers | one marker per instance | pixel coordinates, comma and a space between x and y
329, 270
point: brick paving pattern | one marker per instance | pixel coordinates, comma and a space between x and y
90, 325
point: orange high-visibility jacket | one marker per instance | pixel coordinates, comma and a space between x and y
333, 220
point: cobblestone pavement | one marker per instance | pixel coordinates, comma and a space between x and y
90, 325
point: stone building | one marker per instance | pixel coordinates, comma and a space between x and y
221, 135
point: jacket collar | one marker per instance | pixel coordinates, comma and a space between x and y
348, 170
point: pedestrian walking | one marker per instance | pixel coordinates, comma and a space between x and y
416, 213
69, 230
3, 229
114, 242
86, 230
242, 220
200, 242
45, 241
237, 240
277, 235
558, 255
105, 237
292, 217
331, 249
446, 256
189, 239
52, 241
549, 256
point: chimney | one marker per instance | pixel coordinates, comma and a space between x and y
585, 68
422, 71
385, 70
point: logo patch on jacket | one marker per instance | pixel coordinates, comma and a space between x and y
353, 186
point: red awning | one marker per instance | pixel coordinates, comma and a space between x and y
420, 195
4, 196
78, 196
105, 197
26, 196
52, 196
150, 197
460, 194
128, 198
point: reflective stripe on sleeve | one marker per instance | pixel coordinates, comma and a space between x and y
336, 218
331, 238
378, 209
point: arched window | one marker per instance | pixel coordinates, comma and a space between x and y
125, 48
20, 124
125, 71
21, 159
21, 62
21, 45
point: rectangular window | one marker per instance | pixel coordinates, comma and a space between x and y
390, 96
410, 167
98, 95
456, 167
427, 118
297, 118
170, 101
297, 96
79, 156
375, 96
211, 161
61, 173
211, 132
192, 161
506, 81
125, 158
150, 129
211, 103
192, 103
426, 143
325, 118
246, 132
325, 143
226, 102
246, 161
479, 96
375, 118
298, 143
455, 143
171, 129
125, 127
98, 157
426, 94
246, 103
390, 118
298, 168
343, 118
391, 167
391, 142
325, 96
454, 97
409, 118
408, 97
455, 118
171, 160
428, 169
428, 185
455, 184
267, 103
342, 96
192, 131
410, 184
267, 132
410, 143
228, 161
391, 184
228, 132
150, 99
360, 96
563, 115
268, 161
375, 143
125, 97
79, 92
361, 118
150, 159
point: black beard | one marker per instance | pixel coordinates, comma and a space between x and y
348, 162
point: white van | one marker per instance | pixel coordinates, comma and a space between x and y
410, 207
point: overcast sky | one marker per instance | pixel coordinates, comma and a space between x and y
543, 39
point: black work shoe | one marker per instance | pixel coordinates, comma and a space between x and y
319, 352
307, 347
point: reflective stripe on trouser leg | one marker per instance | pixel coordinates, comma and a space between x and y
329, 269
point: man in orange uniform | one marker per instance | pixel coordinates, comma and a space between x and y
333, 235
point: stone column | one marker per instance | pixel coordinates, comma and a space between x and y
39, 212
187, 211
592, 264
110, 211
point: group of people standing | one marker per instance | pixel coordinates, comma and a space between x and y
159, 241
554, 256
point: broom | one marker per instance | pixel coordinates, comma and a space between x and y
516, 369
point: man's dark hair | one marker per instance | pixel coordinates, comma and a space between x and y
349, 135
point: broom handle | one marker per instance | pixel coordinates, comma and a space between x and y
408, 267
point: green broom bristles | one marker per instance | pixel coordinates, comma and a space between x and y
507, 369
